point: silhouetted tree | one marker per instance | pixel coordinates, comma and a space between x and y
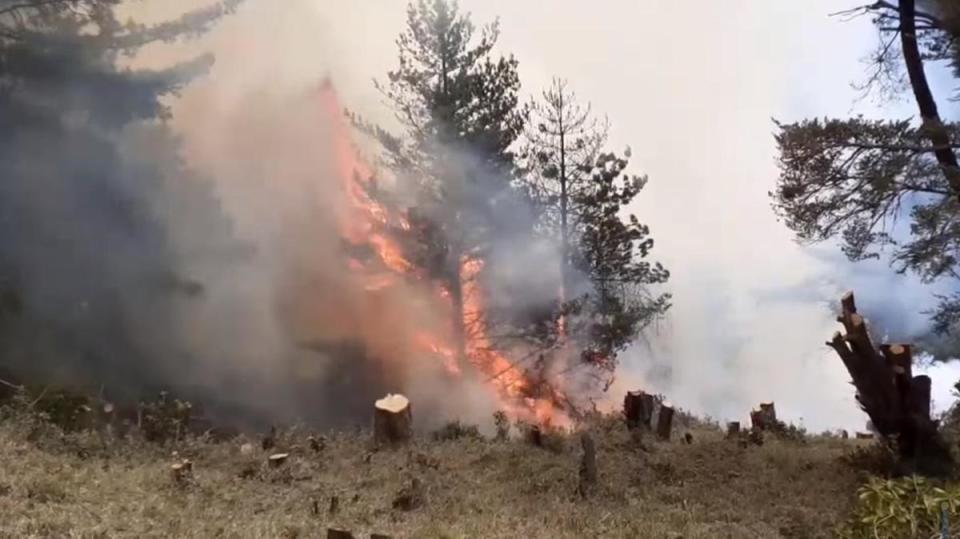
89, 179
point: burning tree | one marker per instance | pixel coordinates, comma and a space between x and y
462, 219
461, 112
582, 192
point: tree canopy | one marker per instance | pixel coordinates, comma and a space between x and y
855, 179
90, 180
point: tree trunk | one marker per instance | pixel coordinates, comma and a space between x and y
933, 124
392, 420
564, 208
897, 403
457, 314
665, 422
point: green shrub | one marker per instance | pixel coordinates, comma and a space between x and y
899, 508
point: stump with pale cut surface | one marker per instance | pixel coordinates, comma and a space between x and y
392, 420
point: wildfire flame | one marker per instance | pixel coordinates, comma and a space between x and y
364, 222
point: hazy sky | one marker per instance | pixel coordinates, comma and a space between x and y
692, 87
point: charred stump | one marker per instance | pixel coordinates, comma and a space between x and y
638, 409
392, 420
897, 402
765, 419
665, 421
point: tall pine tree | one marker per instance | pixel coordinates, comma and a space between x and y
459, 106
583, 192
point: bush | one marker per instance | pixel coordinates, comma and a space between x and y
165, 418
897, 508
502, 422
455, 430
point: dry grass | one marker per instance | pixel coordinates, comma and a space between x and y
88, 485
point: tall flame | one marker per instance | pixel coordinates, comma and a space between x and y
365, 222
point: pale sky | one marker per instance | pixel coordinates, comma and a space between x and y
692, 87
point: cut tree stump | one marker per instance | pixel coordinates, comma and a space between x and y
897, 402
182, 470
277, 459
392, 420
588, 466
765, 418
638, 409
665, 421
733, 428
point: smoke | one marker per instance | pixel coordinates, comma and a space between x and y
210, 260
210, 264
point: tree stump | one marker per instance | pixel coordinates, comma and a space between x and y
769, 413
765, 418
897, 402
392, 420
733, 429
588, 466
277, 459
638, 409
665, 421
182, 471
333, 533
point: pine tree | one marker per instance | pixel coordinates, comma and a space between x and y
582, 191
89, 273
855, 178
459, 106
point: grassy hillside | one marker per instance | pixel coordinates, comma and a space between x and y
90, 484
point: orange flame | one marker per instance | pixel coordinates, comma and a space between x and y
364, 222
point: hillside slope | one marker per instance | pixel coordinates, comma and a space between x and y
85, 485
